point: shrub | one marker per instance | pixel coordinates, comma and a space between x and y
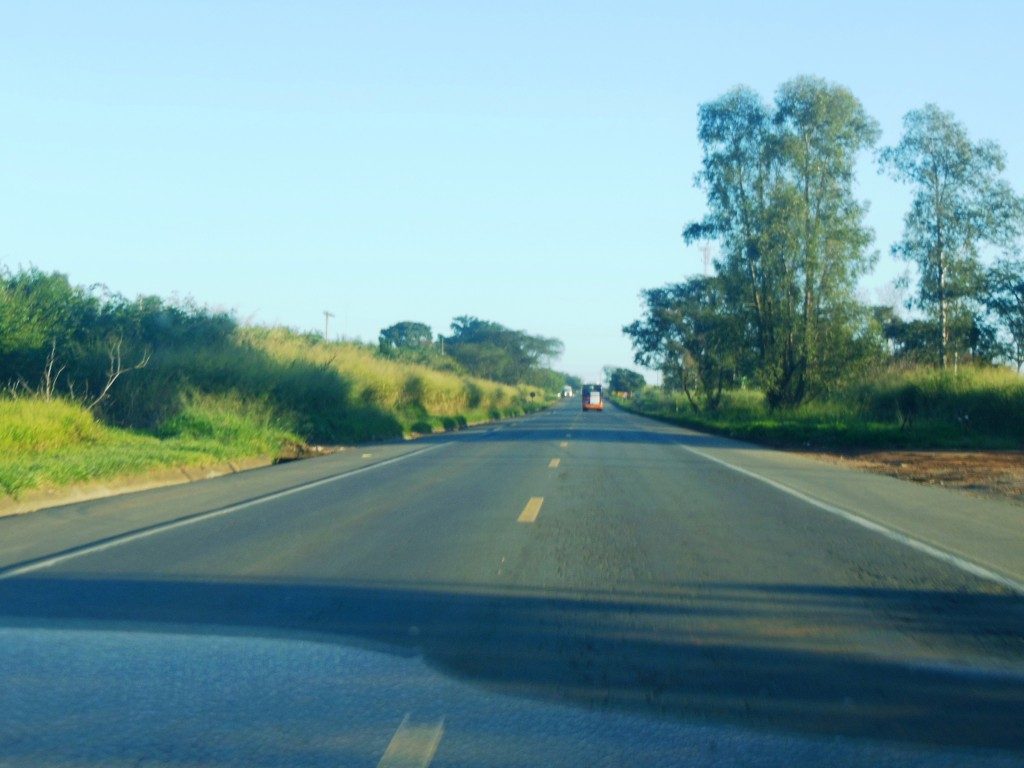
29, 425
897, 408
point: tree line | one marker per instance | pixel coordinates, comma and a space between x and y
135, 362
63, 340
480, 348
781, 310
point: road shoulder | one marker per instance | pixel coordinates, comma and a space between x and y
984, 531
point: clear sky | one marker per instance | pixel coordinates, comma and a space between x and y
526, 162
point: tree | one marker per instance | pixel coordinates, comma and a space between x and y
570, 380
908, 340
624, 380
689, 333
960, 204
821, 130
81, 342
545, 378
1005, 299
492, 351
739, 171
779, 186
39, 309
406, 335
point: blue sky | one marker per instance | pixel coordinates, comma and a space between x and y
530, 163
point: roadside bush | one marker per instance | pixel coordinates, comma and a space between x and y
898, 408
29, 425
186, 370
974, 400
230, 420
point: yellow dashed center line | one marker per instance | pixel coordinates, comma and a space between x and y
553, 464
412, 746
531, 510
563, 444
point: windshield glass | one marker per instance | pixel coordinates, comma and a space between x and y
523, 384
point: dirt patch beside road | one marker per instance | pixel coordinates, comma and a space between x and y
992, 473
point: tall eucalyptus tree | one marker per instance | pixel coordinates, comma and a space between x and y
779, 187
960, 204
821, 129
1005, 298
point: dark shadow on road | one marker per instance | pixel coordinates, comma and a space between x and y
694, 651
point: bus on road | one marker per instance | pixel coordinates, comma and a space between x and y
592, 398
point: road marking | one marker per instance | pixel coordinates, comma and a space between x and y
125, 538
412, 746
947, 557
553, 464
531, 510
367, 455
563, 444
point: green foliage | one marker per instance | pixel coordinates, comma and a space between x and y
908, 408
781, 311
971, 400
490, 350
250, 426
60, 339
691, 334
38, 310
624, 380
573, 381
209, 389
545, 379
47, 443
779, 185
406, 337
342, 392
477, 348
1004, 297
959, 204
909, 341
33, 426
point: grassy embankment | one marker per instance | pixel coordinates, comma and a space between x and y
918, 408
55, 443
265, 393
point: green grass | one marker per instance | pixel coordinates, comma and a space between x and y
915, 408
325, 392
261, 394
53, 443
403, 396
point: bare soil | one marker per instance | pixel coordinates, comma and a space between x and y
990, 473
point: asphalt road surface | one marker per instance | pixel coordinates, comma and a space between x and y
565, 589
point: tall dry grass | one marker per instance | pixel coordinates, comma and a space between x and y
895, 408
415, 394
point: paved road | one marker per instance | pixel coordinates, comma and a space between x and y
566, 589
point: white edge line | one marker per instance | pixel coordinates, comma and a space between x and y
38, 565
965, 565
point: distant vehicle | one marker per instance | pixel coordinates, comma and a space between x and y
592, 398
566, 391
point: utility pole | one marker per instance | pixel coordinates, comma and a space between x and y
327, 319
705, 252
